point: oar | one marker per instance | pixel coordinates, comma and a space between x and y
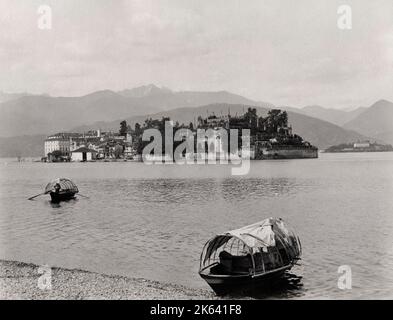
82, 195
41, 194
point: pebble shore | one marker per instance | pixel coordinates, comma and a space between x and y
20, 280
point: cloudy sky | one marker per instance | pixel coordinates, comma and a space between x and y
281, 51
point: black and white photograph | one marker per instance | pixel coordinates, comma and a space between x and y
172, 150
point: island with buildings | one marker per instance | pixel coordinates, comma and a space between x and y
360, 146
271, 137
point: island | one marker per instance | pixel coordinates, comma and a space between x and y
360, 146
270, 136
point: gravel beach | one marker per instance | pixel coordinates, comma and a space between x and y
20, 280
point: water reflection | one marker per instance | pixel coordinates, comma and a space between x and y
60, 204
54, 204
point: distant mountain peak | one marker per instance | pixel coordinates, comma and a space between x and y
382, 103
313, 107
145, 91
100, 94
375, 121
336, 116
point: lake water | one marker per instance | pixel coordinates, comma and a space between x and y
152, 221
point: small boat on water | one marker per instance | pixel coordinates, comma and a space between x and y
61, 189
250, 256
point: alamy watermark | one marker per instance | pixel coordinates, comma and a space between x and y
44, 21
202, 146
45, 280
344, 21
345, 279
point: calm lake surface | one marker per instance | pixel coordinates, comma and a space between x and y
152, 221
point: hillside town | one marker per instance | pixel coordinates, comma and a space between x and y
271, 137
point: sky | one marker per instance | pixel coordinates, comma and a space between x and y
290, 53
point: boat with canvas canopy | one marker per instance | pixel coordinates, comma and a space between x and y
249, 256
61, 189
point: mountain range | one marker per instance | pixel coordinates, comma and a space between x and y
336, 116
376, 121
4, 97
31, 115
25, 115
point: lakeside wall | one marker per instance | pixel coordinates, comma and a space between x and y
288, 153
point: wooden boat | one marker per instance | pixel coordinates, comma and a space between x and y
61, 189
251, 256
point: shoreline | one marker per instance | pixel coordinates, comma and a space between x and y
19, 281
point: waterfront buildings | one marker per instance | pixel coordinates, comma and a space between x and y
59, 142
66, 146
83, 154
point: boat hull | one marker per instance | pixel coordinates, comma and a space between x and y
224, 284
62, 196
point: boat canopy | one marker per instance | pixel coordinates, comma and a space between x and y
65, 185
261, 234
257, 237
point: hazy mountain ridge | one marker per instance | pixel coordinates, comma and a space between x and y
336, 116
144, 91
22, 146
30, 115
376, 121
4, 97
41, 115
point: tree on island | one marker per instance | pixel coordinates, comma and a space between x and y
123, 128
251, 118
275, 119
56, 155
283, 119
137, 129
